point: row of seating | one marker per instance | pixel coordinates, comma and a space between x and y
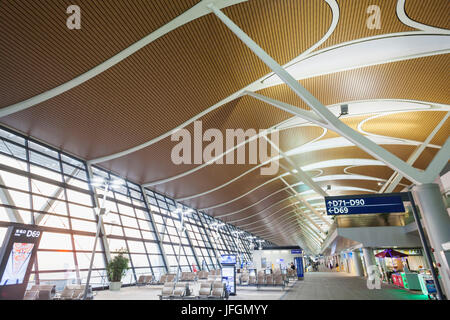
181, 290
40, 292
48, 292
213, 275
275, 279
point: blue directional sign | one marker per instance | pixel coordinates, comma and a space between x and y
364, 203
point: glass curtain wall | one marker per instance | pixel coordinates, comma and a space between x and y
43, 186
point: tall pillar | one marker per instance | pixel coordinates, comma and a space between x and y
369, 257
357, 263
437, 223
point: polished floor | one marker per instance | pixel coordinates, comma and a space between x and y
315, 286
342, 286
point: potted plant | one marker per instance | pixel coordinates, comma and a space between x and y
116, 269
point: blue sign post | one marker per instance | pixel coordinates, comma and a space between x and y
298, 261
363, 204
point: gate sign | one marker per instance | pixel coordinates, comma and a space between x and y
361, 204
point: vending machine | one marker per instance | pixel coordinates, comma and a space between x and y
228, 262
17, 256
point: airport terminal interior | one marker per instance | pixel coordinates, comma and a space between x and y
225, 150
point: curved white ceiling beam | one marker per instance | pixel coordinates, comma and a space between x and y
350, 173
197, 11
365, 53
361, 124
391, 160
271, 215
337, 188
341, 163
316, 179
403, 17
283, 220
243, 195
341, 142
272, 222
250, 170
375, 106
416, 49
190, 171
335, 17
265, 209
258, 85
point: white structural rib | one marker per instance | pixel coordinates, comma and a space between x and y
305, 202
338, 126
356, 108
401, 14
395, 178
298, 171
197, 11
252, 87
337, 142
241, 196
270, 215
213, 160
275, 220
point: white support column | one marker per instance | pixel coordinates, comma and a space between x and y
437, 223
369, 257
357, 263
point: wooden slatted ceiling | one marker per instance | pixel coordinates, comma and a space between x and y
296, 137
259, 207
153, 163
443, 134
372, 171
432, 13
274, 190
352, 22
258, 218
352, 122
408, 125
172, 79
233, 191
159, 87
38, 51
420, 79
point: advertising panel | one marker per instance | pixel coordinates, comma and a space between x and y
17, 257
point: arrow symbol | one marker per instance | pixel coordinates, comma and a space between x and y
329, 203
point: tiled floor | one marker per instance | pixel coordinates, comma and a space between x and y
341, 286
315, 286
151, 293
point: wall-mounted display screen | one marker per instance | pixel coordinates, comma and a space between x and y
229, 278
228, 259
17, 264
17, 256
